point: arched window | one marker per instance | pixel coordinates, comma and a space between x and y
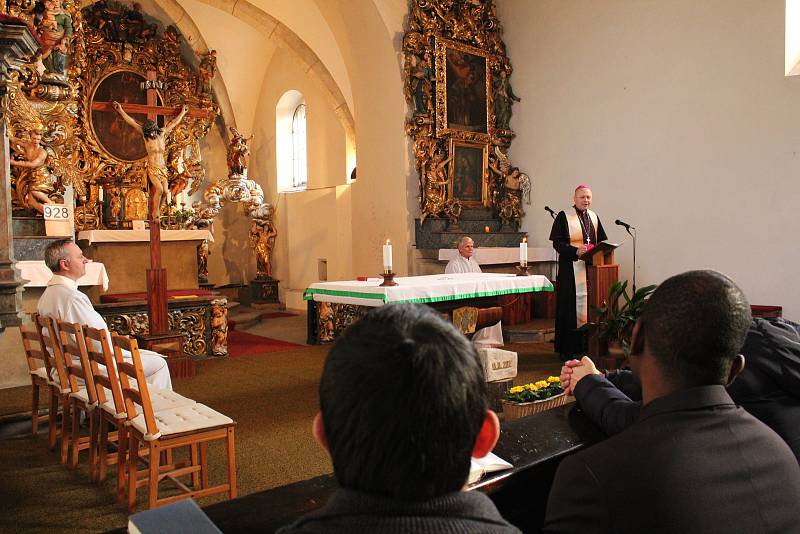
290, 142
299, 156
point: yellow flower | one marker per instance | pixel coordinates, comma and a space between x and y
531, 387
541, 384
553, 379
516, 389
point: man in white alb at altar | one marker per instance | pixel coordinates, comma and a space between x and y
491, 336
63, 301
464, 262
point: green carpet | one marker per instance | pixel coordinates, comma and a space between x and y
273, 399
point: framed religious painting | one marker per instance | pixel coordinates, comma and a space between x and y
463, 92
469, 173
113, 135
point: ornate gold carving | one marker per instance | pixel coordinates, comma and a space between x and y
191, 322
334, 318
457, 85
104, 40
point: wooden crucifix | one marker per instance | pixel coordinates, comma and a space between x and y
155, 143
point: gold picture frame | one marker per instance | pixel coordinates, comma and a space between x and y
464, 101
468, 173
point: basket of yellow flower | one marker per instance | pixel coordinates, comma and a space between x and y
521, 401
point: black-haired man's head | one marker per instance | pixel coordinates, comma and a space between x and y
151, 129
404, 405
694, 325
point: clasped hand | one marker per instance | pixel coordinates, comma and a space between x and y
574, 370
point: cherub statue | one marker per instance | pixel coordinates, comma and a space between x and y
35, 183
154, 142
237, 154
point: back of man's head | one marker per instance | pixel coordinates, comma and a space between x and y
695, 325
403, 397
54, 253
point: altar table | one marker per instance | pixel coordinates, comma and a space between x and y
126, 255
333, 306
37, 274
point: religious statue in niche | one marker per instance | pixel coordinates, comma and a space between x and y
208, 67
54, 25
115, 207
154, 142
509, 186
504, 98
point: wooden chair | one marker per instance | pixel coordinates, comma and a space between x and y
164, 430
39, 370
112, 405
58, 381
83, 394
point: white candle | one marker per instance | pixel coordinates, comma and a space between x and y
100, 195
523, 252
169, 197
387, 257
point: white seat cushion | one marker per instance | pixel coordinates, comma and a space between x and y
182, 419
82, 396
41, 372
161, 399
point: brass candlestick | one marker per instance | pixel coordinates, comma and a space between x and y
523, 270
388, 279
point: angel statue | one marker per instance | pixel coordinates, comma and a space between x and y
35, 183
435, 186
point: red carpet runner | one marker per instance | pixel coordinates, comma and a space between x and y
243, 344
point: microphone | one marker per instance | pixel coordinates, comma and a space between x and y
626, 225
551, 212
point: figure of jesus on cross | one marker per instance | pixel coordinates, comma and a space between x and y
155, 144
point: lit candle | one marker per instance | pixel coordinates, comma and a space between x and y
523, 252
486, 229
169, 197
387, 257
100, 194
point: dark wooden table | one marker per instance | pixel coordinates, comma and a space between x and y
534, 445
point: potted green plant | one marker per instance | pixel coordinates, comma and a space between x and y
528, 399
618, 314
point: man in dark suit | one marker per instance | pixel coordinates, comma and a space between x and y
694, 462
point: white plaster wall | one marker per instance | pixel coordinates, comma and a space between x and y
679, 116
309, 222
243, 54
380, 195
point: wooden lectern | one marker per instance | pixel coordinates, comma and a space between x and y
600, 276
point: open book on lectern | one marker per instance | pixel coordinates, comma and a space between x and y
602, 248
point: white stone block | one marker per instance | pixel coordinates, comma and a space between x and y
498, 364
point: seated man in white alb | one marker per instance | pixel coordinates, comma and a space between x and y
491, 336
464, 262
63, 301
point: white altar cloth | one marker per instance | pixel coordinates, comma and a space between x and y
37, 274
498, 255
132, 236
426, 289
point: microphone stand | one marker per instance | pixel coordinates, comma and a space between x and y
633, 235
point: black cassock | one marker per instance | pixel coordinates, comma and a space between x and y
569, 341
